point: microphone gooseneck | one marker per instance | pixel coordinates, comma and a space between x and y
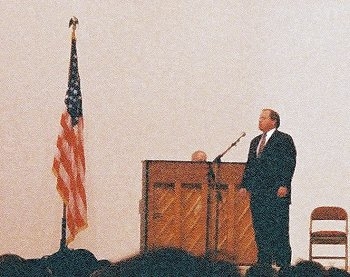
218, 158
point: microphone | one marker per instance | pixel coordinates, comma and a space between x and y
218, 158
243, 134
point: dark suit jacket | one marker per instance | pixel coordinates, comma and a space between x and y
274, 168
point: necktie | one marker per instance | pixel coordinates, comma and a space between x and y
262, 144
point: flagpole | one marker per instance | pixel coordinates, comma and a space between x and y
63, 242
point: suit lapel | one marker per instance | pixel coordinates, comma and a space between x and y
269, 144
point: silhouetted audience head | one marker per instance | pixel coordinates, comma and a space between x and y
12, 265
72, 263
169, 262
160, 262
15, 266
309, 268
214, 268
261, 270
286, 271
337, 272
108, 271
36, 268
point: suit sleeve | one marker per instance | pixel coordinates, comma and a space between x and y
286, 161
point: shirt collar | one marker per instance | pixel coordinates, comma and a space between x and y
269, 134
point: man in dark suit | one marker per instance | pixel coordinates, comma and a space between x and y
267, 177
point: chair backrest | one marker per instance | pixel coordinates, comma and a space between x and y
329, 213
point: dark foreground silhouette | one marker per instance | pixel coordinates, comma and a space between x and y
164, 262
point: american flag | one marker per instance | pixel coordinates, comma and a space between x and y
69, 162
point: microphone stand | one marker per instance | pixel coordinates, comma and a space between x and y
218, 158
214, 183
217, 187
210, 179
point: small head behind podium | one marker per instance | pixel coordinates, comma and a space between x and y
199, 156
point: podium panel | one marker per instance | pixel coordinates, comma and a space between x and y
194, 206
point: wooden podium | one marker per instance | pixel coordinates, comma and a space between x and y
194, 206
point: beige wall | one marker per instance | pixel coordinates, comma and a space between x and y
161, 79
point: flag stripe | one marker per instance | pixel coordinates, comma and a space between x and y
69, 168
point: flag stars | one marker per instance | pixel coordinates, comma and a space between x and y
73, 99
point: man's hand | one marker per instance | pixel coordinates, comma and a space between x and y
282, 192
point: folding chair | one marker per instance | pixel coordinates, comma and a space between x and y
329, 236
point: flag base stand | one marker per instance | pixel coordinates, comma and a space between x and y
60, 259
68, 262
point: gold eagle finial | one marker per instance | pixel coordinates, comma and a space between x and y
73, 21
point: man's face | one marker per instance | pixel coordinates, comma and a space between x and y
265, 122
